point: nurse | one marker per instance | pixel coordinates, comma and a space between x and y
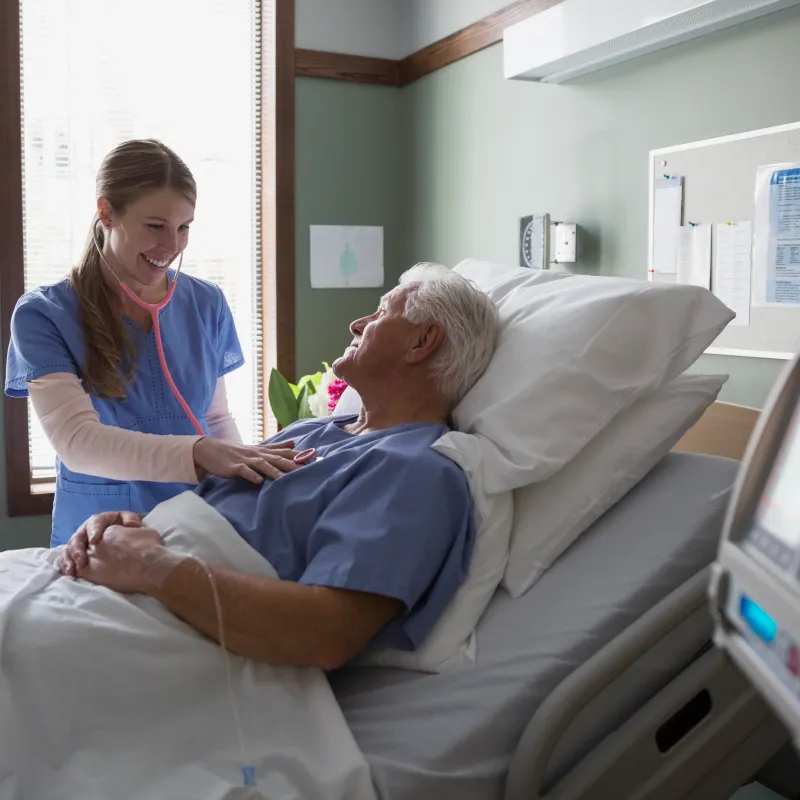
86, 354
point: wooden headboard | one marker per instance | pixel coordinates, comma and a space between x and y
723, 430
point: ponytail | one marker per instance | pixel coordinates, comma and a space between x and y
109, 355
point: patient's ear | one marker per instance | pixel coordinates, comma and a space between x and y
426, 342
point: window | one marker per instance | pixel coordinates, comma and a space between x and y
192, 73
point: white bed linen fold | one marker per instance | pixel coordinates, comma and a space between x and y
105, 695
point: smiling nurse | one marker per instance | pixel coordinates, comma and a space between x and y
127, 434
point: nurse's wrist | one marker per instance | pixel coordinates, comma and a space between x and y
199, 472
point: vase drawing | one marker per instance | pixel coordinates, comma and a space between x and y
348, 263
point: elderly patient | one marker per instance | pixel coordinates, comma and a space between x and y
372, 538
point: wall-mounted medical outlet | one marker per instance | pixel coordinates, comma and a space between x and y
563, 243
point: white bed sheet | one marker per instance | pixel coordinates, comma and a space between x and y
105, 695
452, 736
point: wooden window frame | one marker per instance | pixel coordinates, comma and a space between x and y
277, 226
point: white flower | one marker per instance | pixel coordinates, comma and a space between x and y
327, 379
318, 403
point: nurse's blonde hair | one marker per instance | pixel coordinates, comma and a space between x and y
130, 170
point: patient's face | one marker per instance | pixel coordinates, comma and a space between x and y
380, 341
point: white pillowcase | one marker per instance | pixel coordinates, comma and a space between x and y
574, 351
349, 402
549, 516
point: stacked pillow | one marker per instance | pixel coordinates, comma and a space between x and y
580, 401
550, 515
574, 352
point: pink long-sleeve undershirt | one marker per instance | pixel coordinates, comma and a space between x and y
84, 444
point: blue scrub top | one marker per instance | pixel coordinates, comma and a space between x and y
380, 512
200, 345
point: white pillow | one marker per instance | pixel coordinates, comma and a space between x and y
549, 516
348, 403
497, 280
574, 351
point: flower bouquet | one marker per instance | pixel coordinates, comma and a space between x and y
312, 396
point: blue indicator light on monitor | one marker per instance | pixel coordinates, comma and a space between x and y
759, 621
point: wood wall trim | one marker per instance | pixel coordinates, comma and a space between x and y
723, 430
285, 189
21, 501
469, 40
277, 145
341, 67
388, 72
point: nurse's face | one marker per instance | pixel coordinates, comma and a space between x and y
148, 236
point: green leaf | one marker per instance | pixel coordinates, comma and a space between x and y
304, 409
282, 401
312, 380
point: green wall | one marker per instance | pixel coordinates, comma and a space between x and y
349, 172
18, 531
484, 151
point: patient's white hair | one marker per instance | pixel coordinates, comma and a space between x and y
469, 318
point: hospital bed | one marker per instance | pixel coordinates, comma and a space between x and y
600, 682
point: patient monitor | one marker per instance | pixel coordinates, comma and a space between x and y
755, 586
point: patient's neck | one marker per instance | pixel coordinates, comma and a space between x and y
382, 412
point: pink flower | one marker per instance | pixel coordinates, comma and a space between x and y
335, 390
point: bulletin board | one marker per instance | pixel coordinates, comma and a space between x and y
719, 179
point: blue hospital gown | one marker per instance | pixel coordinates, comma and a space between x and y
200, 345
381, 512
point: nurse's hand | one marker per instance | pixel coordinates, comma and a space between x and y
251, 462
74, 557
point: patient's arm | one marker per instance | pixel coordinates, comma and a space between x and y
280, 622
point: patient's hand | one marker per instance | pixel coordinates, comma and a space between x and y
128, 560
75, 557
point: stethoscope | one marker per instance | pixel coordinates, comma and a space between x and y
154, 309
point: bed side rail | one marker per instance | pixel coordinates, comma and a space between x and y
631, 763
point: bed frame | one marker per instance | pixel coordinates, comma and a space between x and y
723, 430
701, 737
